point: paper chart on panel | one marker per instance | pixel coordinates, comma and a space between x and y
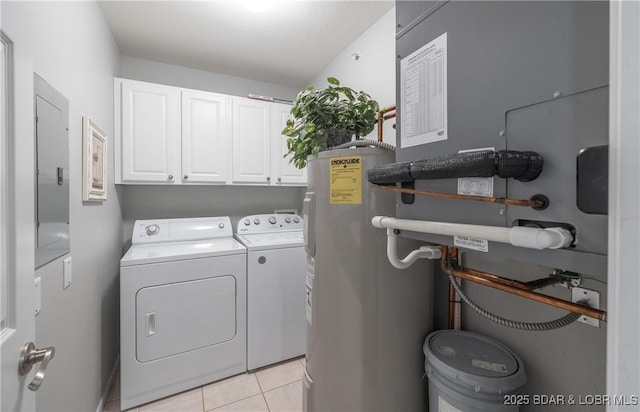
423, 94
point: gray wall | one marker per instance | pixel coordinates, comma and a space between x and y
71, 47
146, 202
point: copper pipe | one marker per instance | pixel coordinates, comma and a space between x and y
450, 267
452, 293
387, 109
452, 306
389, 116
380, 121
499, 279
500, 200
531, 285
444, 252
382, 118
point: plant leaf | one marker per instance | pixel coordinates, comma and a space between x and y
333, 80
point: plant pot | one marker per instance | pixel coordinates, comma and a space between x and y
336, 137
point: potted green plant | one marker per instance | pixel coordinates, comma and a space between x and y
318, 116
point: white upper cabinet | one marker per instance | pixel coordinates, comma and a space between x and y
259, 146
205, 151
251, 133
150, 132
170, 135
283, 172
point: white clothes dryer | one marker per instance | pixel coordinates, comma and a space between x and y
276, 289
182, 307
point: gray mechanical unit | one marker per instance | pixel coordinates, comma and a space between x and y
526, 76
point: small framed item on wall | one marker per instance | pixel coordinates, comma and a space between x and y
94, 161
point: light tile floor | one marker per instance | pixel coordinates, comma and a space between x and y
276, 388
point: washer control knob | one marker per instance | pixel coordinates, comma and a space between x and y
272, 220
247, 222
296, 219
287, 219
256, 221
221, 225
152, 230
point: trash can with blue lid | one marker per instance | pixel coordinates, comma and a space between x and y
468, 372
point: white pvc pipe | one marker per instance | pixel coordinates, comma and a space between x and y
529, 237
424, 252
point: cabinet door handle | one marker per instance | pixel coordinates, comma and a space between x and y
279, 179
186, 176
268, 179
170, 177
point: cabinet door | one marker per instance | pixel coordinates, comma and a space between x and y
150, 132
204, 135
283, 172
251, 143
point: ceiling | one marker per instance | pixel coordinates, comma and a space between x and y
286, 45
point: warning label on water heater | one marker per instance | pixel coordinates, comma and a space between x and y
345, 180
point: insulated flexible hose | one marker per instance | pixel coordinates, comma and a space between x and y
522, 166
531, 326
366, 142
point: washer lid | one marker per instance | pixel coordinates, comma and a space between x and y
166, 252
272, 240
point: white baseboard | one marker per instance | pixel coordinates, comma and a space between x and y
107, 389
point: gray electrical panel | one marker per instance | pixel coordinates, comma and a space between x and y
525, 76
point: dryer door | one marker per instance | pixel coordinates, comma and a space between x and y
185, 316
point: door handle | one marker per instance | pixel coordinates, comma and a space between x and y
150, 324
29, 356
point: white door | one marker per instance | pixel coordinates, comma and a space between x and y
17, 323
283, 172
251, 161
205, 133
150, 132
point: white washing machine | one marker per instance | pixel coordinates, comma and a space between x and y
182, 307
276, 264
